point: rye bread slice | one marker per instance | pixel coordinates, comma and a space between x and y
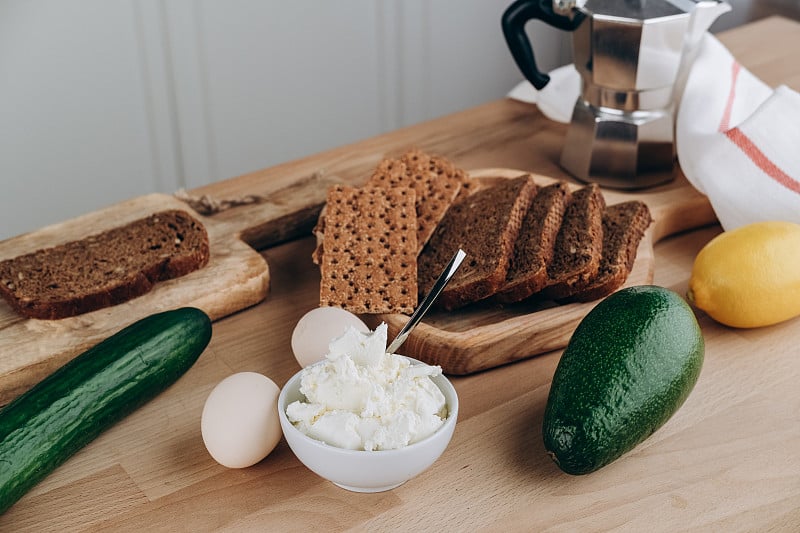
435, 180
368, 263
485, 225
624, 225
579, 244
105, 269
533, 251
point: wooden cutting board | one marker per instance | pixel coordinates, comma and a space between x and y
483, 336
237, 276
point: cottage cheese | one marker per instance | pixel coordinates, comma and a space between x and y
362, 398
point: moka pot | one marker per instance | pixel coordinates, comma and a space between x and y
631, 56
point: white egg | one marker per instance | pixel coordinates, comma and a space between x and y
317, 328
240, 424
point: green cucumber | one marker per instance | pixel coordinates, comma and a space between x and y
46, 425
628, 367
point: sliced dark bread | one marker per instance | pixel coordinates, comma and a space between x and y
485, 225
105, 269
368, 263
623, 227
527, 272
579, 244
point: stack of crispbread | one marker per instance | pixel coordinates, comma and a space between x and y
382, 246
366, 251
435, 180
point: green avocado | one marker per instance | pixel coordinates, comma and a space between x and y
628, 367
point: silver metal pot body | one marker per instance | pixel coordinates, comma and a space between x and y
629, 55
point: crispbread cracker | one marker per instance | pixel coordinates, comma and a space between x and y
368, 263
390, 173
436, 181
444, 167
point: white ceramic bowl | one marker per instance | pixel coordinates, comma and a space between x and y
367, 471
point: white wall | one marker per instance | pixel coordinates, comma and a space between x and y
102, 100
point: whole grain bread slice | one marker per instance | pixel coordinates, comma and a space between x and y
533, 251
105, 269
485, 225
624, 225
579, 245
368, 262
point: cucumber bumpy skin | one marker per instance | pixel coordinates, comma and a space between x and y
46, 425
630, 364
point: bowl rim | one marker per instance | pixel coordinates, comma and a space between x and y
452, 415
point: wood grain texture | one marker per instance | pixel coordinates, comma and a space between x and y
729, 460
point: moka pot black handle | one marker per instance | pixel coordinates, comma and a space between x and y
514, 20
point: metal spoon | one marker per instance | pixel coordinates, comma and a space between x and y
440, 284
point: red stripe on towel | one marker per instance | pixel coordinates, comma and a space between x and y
746, 145
758, 157
724, 124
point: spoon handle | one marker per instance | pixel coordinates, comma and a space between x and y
437, 288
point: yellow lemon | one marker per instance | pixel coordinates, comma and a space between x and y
750, 276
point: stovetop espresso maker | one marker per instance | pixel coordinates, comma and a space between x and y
632, 56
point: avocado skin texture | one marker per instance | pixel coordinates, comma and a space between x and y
630, 364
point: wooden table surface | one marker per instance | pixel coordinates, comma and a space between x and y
729, 460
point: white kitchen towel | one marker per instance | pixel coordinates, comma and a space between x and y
737, 140
557, 98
